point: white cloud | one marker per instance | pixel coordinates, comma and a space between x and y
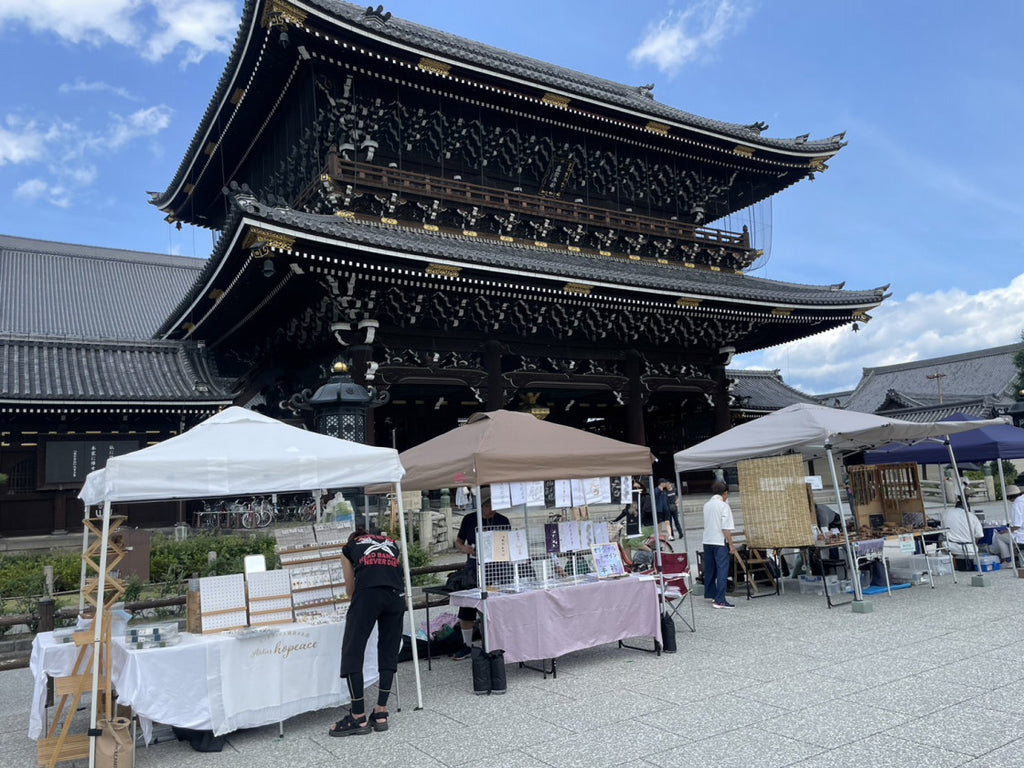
201, 26
144, 122
684, 36
918, 328
31, 189
21, 142
80, 86
153, 28
36, 189
95, 22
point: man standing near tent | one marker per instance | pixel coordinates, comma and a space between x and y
718, 546
466, 542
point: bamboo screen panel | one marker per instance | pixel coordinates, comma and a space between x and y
776, 512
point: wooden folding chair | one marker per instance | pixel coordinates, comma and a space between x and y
675, 571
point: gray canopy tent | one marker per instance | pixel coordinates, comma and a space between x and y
814, 431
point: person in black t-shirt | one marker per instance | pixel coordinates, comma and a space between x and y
373, 580
466, 542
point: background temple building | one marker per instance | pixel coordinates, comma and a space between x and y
982, 383
468, 228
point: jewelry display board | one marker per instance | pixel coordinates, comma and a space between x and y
270, 598
311, 555
223, 602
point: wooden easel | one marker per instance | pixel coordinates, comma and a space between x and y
63, 746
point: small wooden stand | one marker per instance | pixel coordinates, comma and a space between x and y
59, 747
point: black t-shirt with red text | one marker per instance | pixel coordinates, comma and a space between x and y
375, 560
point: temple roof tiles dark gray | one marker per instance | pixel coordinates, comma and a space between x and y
550, 262
389, 29
759, 390
76, 370
79, 291
969, 377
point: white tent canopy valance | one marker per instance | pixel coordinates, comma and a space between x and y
808, 429
240, 452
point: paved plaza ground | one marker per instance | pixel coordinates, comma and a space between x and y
931, 677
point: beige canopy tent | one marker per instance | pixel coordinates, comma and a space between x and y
512, 447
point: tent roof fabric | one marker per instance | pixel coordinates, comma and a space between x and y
1001, 441
240, 452
805, 428
507, 446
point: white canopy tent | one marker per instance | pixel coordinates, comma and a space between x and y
241, 452
815, 431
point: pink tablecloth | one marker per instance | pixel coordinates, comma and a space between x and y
546, 624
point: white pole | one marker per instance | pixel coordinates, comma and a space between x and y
682, 516
97, 632
657, 541
481, 578
1006, 517
963, 497
408, 597
85, 546
858, 595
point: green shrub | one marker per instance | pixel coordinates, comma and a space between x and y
21, 575
171, 560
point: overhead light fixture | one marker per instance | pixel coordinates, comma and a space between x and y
268, 268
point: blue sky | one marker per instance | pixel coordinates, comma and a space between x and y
926, 197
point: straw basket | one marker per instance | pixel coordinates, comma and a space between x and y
776, 506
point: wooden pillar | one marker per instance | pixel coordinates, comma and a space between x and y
720, 394
495, 382
60, 512
635, 432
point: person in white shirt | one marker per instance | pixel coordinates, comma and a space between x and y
718, 546
1006, 539
963, 529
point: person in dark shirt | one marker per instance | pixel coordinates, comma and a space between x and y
466, 542
373, 581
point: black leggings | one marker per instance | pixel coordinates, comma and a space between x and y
384, 607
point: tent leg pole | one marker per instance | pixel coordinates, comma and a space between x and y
408, 598
978, 580
860, 605
686, 549
1006, 517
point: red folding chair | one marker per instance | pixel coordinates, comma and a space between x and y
675, 571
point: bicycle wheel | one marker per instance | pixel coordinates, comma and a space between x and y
250, 518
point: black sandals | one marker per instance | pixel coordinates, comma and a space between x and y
349, 726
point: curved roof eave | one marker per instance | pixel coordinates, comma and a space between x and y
618, 274
424, 40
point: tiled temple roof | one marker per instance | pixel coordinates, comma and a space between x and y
75, 370
551, 262
764, 391
500, 63
63, 290
967, 377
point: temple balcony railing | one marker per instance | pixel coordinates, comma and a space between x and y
701, 244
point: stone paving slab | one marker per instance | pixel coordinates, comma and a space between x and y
930, 677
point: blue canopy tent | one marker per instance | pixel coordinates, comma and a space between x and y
992, 443
983, 444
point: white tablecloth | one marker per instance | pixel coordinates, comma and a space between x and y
218, 683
